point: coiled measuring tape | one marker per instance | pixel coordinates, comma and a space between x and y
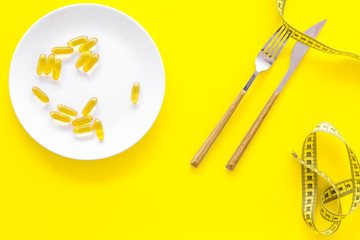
309, 41
309, 174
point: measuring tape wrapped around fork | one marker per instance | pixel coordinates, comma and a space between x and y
309, 174
307, 40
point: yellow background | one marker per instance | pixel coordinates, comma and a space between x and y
151, 191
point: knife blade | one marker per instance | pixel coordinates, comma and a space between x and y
299, 52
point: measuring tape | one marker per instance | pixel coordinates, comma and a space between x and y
309, 174
309, 171
307, 40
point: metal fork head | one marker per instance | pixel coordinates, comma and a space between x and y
269, 54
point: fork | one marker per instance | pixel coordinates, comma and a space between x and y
263, 62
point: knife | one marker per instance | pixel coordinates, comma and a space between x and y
297, 54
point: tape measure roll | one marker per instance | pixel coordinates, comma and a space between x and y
309, 174
309, 41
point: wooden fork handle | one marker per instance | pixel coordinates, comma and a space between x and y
215, 133
251, 133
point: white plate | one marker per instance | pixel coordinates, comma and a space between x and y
127, 55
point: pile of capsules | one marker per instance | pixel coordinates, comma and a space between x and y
64, 114
87, 60
82, 124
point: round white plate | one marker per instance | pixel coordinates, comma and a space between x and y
127, 55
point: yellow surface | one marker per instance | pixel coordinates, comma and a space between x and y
151, 191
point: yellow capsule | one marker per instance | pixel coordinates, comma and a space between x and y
49, 64
135, 93
77, 41
89, 106
57, 69
41, 64
99, 129
62, 50
67, 110
83, 59
87, 45
84, 129
40, 94
82, 121
91, 62
60, 117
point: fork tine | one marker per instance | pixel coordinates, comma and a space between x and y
277, 45
275, 41
283, 44
273, 36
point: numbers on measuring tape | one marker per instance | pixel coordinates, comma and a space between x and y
309, 172
307, 40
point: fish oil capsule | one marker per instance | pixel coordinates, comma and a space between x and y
99, 129
62, 50
89, 106
49, 65
91, 62
41, 64
84, 129
57, 69
82, 121
135, 93
40, 94
83, 59
87, 45
60, 117
67, 110
77, 41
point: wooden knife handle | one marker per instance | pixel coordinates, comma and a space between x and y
215, 133
251, 133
